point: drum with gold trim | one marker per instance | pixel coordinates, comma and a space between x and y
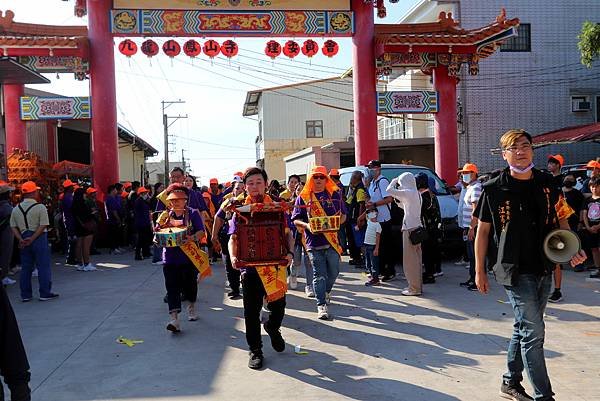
170, 237
324, 224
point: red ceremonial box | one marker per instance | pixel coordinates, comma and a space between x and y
261, 238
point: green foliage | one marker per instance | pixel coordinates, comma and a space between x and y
589, 43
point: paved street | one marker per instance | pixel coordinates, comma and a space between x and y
448, 345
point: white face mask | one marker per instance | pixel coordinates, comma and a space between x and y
466, 178
371, 216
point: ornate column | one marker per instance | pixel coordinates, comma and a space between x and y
446, 131
105, 151
364, 77
16, 129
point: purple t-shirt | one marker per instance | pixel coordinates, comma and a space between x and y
112, 204
175, 256
68, 219
331, 205
141, 213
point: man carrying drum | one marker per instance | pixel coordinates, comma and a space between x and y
319, 212
260, 282
178, 230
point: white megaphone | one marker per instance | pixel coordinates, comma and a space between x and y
561, 245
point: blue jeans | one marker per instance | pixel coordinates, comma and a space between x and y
326, 266
372, 261
35, 255
526, 348
300, 256
156, 253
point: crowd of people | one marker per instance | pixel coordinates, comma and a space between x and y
504, 221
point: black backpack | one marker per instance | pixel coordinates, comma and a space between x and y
396, 212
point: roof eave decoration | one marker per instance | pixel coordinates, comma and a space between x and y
17, 37
446, 32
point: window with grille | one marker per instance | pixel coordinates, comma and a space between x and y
520, 43
314, 129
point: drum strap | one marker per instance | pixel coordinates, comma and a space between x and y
317, 210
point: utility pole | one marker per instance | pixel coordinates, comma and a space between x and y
183, 159
166, 125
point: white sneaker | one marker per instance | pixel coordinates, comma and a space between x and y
34, 273
8, 281
309, 292
90, 268
81, 268
293, 282
328, 298
322, 312
438, 274
192, 315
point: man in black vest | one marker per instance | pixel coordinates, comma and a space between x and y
521, 205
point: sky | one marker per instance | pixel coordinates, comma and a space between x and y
216, 139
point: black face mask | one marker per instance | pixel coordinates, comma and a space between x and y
569, 184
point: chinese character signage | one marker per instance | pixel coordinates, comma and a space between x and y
54, 64
239, 5
227, 23
413, 102
54, 108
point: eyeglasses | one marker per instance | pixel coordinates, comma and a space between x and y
319, 177
524, 147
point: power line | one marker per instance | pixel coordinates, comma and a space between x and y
214, 143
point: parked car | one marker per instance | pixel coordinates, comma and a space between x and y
451, 233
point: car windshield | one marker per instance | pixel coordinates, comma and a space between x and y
439, 188
392, 172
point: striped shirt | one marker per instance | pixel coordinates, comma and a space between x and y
472, 193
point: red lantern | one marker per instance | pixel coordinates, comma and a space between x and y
330, 48
128, 48
291, 49
171, 48
192, 48
150, 48
310, 48
211, 48
273, 49
229, 49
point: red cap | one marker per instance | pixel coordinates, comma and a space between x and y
469, 168
29, 187
142, 190
90, 191
214, 181
239, 174
559, 158
334, 171
319, 170
127, 185
592, 164
68, 183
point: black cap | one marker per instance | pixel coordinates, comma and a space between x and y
374, 163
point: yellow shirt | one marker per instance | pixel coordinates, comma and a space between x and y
36, 216
286, 195
361, 195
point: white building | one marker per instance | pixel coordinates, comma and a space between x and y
535, 81
156, 171
299, 116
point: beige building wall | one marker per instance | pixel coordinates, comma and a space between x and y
277, 149
129, 163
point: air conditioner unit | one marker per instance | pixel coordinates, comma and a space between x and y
578, 104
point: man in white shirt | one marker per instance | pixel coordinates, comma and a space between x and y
29, 221
380, 199
469, 197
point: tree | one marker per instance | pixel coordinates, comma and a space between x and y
589, 43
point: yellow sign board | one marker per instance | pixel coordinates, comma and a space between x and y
239, 5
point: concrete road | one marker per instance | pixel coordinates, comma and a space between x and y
448, 345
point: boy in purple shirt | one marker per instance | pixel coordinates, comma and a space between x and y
321, 197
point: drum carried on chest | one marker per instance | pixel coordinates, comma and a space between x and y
261, 236
170, 237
